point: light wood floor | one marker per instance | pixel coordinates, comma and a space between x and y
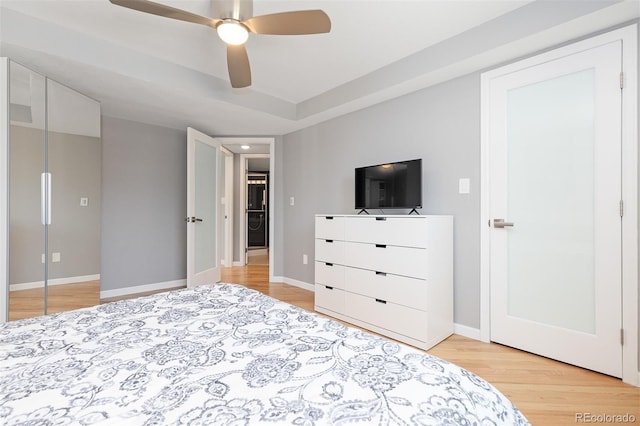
546, 391
60, 298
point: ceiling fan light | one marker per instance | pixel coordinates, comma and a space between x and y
232, 32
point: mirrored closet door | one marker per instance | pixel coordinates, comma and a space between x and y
54, 163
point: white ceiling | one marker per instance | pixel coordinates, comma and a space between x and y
172, 73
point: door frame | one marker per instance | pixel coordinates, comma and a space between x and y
238, 215
4, 189
628, 35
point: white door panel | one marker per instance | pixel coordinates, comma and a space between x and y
203, 227
555, 155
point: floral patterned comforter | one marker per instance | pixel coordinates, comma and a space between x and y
226, 355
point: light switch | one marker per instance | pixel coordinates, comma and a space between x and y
84, 201
464, 186
55, 257
292, 201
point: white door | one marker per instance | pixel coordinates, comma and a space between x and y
555, 191
203, 226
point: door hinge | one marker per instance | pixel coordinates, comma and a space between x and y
621, 208
622, 337
621, 80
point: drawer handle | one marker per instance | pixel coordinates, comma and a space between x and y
328, 287
328, 264
329, 217
382, 274
381, 245
329, 241
381, 218
384, 302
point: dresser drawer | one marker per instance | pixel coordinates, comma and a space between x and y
405, 261
406, 231
330, 227
330, 274
330, 298
411, 292
331, 251
399, 319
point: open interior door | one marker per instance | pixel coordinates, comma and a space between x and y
203, 236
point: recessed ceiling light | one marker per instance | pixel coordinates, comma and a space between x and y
245, 146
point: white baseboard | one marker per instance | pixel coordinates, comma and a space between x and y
125, 291
55, 281
291, 281
466, 331
238, 263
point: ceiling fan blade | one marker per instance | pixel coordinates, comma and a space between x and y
238, 64
166, 11
290, 23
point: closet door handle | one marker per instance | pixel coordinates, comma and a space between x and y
384, 302
381, 245
45, 198
383, 274
500, 223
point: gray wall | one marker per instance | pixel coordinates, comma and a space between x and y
144, 182
440, 124
74, 162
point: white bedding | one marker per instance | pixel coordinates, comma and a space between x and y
227, 355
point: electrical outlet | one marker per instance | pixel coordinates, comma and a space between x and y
305, 259
84, 201
55, 257
292, 201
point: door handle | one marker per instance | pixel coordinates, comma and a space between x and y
45, 198
193, 219
500, 223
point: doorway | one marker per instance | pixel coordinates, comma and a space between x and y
557, 168
256, 154
257, 217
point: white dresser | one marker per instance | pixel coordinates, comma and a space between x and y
390, 274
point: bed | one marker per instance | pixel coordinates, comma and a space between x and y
224, 354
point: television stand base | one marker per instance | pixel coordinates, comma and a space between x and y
414, 211
363, 211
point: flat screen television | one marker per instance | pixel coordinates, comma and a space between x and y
389, 186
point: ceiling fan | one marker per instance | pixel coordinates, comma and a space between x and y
234, 29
